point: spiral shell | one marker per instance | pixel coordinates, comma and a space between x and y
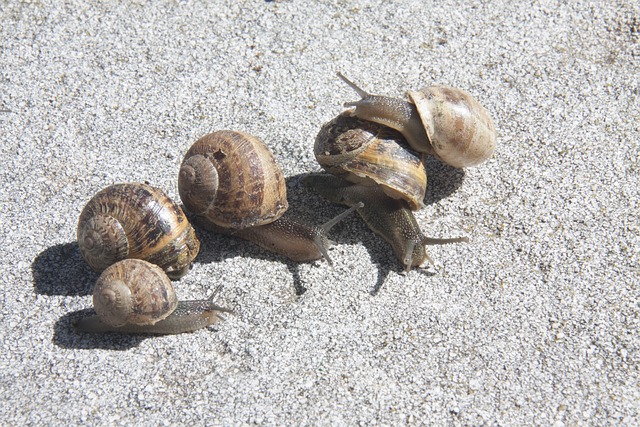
135, 292
460, 130
136, 221
370, 154
232, 180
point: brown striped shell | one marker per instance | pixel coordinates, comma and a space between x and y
136, 221
460, 130
231, 179
135, 292
444, 121
368, 153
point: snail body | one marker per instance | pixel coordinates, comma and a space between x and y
135, 296
445, 122
136, 221
390, 218
232, 183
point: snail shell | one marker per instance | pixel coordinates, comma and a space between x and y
133, 292
371, 154
460, 130
135, 296
443, 121
232, 180
136, 221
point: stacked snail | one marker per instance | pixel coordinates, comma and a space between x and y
139, 238
373, 155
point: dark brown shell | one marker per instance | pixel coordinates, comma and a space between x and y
371, 154
460, 130
135, 292
232, 180
136, 221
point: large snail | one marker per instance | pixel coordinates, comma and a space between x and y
371, 165
135, 296
232, 183
136, 221
443, 121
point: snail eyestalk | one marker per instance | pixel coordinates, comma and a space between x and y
332, 222
389, 218
361, 92
320, 238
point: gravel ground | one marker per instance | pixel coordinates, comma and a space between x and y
534, 322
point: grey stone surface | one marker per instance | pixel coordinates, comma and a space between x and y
535, 322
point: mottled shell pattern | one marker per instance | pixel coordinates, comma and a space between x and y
135, 292
460, 130
368, 153
232, 180
136, 221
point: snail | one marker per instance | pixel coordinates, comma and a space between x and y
371, 167
135, 296
136, 221
232, 183
442, 121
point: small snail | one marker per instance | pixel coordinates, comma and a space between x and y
372, 167
443, 121
233, 184
135, 296
136, 221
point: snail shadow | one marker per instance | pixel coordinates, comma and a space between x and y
65, 335
351, 231
442, 180
216, 247
61, 270
383, 258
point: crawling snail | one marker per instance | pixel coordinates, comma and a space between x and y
443, 121
135, 296
370, 164
136, 221
233, 184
